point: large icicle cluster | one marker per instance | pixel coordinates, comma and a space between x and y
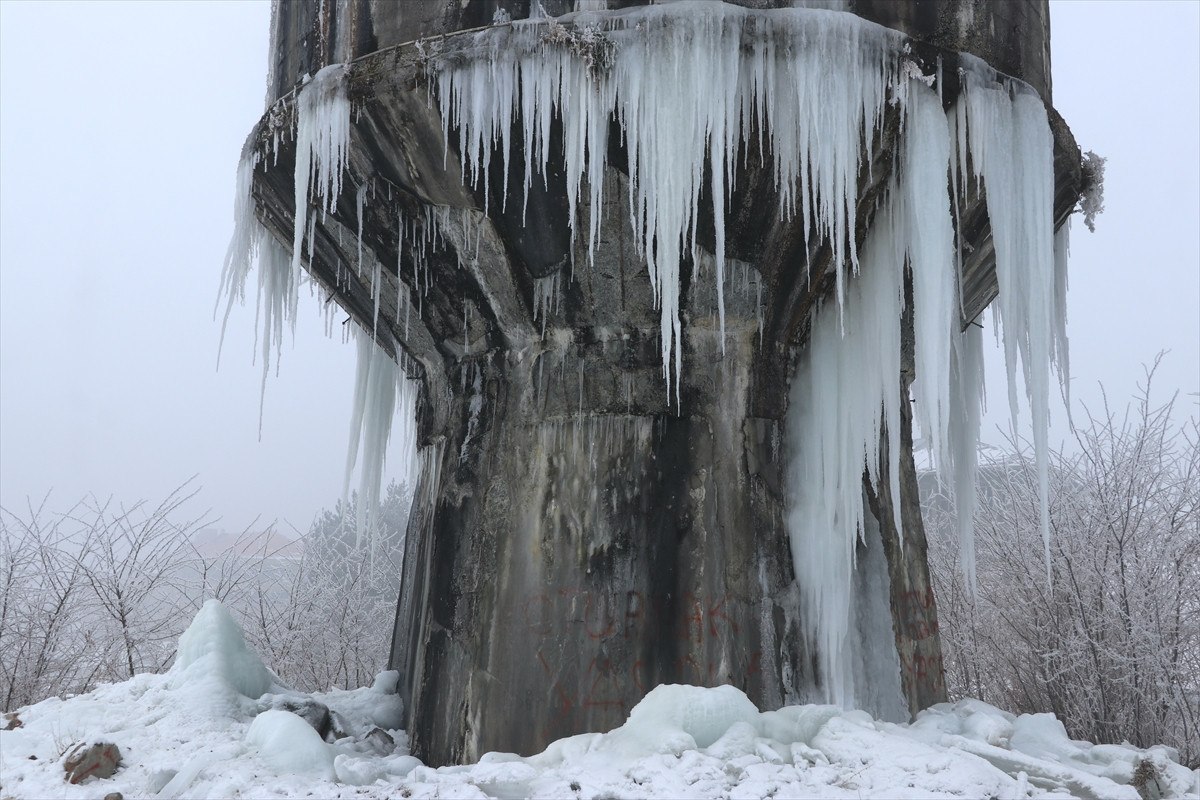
1008, 144
278, 277
689, 83
381, 391
845, 395
815, 82
322, 145
322, 136
851, 368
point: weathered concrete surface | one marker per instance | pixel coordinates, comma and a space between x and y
579, 538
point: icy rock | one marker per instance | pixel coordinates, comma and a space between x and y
1044, 736
289, 745
315, 714
114, 796
213, 647
380, 741
1119, 772
803, 754
96, 760
399, 765
992, 728
739, 740
356, 712
795, 723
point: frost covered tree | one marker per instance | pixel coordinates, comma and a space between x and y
96, 593
134, 569
102, 591
323, 617
41, 608
1111, 642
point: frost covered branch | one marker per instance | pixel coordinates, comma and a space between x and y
1091, 203
101, 592
1113, 646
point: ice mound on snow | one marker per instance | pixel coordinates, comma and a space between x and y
678, 718
220, 724
212, 648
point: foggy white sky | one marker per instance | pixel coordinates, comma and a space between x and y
120, 127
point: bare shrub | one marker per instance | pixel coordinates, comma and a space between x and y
102, 591
1112, 644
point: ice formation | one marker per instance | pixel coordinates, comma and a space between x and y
966, 404
213, 648
547, 296
322, 131
814, 86
289, 745
848, 373
382, 392
807, 74
278, 276
1000, 132
322, 146
874, 666
844, 406
1011, 149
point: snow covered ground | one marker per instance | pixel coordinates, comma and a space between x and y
219, 724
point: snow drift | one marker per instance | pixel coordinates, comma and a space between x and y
679, 741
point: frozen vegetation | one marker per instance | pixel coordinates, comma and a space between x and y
98, 592
220, 724
1113, 645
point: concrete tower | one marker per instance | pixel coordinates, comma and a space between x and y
585, 527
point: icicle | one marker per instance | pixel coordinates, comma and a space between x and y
278, 283
931, 256
545, 298
818, 86
242, 251
360, 197
322, 142
849, 371
848, 374
278, 295
381, 392
966, 403
1062, 356
1012, 151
